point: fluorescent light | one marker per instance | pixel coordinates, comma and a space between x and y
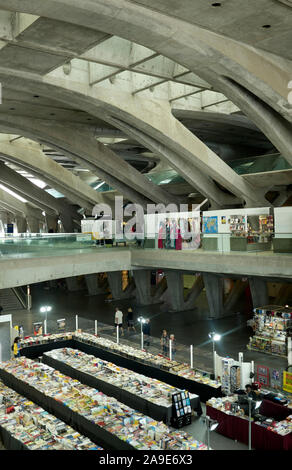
99, 185
217, 337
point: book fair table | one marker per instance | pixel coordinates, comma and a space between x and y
26, 426
102, 419
177, 374
236, 427
150, 396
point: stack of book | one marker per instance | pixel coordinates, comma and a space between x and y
36, 428
140, 431
148, 388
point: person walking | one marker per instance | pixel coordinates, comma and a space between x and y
173, 346
130, 320
119, 320
164, 343
146, 333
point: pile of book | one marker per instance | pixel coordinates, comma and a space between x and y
140, 431
174, 367
148, 388
36, 428
44, 339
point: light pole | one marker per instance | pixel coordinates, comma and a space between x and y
45, 309
257, 405
214, 337
211, 425
142, 320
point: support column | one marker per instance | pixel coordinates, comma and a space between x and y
234, 295
72, 284
67, 223
194, 292
21, 224
52, 222
33, 224
175, 290
259, 292
214, 291
115, 284
142, 279
92, 285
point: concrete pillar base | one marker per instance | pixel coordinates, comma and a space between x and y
92, 285
142, 279
259, 292
33, 224
21, 224
214, 291
72, 284
175, 290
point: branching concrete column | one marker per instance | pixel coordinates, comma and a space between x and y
67, 223
142, 279
194, 292
175, 289
33, 224
259, 292
214, 291
21, 224
72, 284
115, 284
234, 295
52, 222
92, 285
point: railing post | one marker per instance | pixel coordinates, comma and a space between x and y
76, 322
192, 356
95, 327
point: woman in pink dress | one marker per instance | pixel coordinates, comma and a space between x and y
178, 241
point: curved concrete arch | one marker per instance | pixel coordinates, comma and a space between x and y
256, 70
151, 117
138, 23
81, 144
52, 173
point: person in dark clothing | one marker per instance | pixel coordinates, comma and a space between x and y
146, 333
130, 320
1, 309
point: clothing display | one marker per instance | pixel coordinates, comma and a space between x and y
88, 405
33, 428
137, 385
270, 326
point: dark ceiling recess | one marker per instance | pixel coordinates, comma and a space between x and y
216, 4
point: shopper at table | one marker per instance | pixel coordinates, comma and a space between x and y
164, 343
146, 333
173, 345
250, 392
119, 320
130, 320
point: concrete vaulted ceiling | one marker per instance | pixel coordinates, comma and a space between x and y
251, 67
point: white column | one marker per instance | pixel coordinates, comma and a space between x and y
170, 349
76, 322
95, 327
192, 356
45, 327
142, 340
118, 339
289, 351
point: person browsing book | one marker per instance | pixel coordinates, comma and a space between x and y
119, 320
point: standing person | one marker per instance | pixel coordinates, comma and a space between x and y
164, 342
130, 320
173, 345
119, 320
15, 347
146, 333
1, 309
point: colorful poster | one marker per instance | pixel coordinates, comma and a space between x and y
287, 381
210, 224
38, 329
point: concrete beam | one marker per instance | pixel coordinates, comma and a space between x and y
81, 143
52, 173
